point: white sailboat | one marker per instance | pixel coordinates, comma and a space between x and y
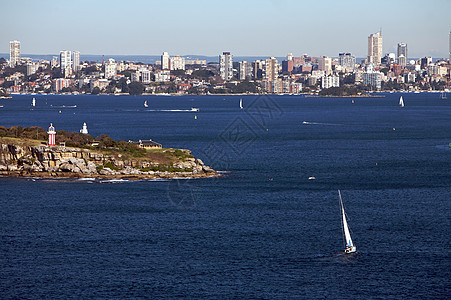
33, 102
241, 103
145, 104
349, 245
443, 96
401, 102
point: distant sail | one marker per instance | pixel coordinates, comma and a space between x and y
241, 103
401, 102
33, 102
145, 104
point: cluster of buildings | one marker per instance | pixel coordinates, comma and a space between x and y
176, 74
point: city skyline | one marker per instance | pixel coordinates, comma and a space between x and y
242, 28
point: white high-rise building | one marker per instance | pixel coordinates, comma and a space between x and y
325, 64
14, 53
402, 60
226, 66
375, 48
245, 70
145, 76
347, 61
66, 63
165, 61
110, 68
330, 81
372, 78
271, 69
177, 63
76, 61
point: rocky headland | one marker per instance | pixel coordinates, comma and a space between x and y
22, 158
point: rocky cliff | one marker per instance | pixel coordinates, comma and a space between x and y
45, 161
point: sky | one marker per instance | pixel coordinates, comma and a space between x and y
209, 27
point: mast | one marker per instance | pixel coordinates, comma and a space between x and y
348, 240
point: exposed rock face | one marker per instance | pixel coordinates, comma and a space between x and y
16, 160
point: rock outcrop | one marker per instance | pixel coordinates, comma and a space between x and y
45, 161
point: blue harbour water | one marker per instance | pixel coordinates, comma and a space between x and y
263, 229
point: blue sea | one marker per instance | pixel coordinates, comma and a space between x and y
261, 230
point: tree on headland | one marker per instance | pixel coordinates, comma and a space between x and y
135, 88
95, 91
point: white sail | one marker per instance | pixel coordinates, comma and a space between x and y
33, 102
348, 241
241, 103
401, 102
145, 104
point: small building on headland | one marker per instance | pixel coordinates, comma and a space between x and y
147, 144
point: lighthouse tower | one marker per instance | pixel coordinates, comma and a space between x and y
84, 130
52, 134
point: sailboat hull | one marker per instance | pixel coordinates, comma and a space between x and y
350, 250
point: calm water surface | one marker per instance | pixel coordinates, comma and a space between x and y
263, 230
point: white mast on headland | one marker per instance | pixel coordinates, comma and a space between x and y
84, 130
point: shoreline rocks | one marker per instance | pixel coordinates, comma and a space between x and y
45, 161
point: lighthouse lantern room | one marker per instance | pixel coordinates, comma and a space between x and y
52, 134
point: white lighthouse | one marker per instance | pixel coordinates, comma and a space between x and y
84, 130
52, 134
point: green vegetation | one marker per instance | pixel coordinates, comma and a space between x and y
136, 88
340, 91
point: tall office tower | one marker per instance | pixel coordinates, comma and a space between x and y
165, 61
272, 69
325, 64
76, 61
449, 45
402, 49
177, 63
375, 48
290, 56
347, 61
226, 66
14, 53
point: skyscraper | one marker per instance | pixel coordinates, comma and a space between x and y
165, 61
449, 44
76, 61
226, 66
14, 53
272, 69
375, 48
402, 49
65, 62
65, 59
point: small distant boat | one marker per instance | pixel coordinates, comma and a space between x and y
401, 102
241, 103
349, 245
312, 178
194, 109
33, 102
443, 96
145, 104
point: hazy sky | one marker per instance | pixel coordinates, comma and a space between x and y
243, 27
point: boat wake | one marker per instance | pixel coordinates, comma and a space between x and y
318, 123
64, 106
173, 110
